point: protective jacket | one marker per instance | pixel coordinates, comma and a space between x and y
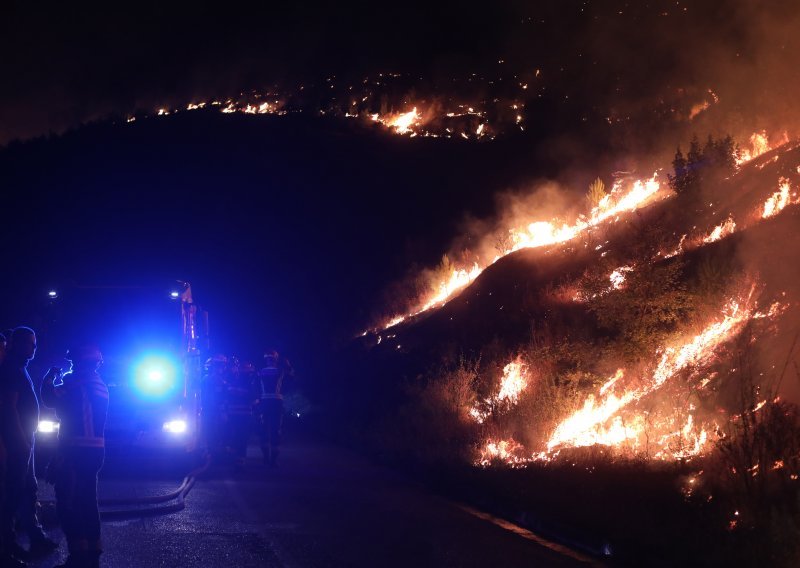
81, 403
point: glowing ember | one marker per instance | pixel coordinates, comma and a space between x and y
727, 227
617, 277
505, 450
779, 200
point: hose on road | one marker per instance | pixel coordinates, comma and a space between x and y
165, 504
162, 504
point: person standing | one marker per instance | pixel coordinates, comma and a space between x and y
5, 557
212, 403
80, 400
269, 405
239, 409
18, 423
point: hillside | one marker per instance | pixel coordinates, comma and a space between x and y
664, 337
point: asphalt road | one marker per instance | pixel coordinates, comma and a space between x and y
323, 507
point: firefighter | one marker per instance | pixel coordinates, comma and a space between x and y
239, 409
5, 558
19, 418
80, 399
212, 402
269, 403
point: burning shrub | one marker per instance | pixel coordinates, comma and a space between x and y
596, 193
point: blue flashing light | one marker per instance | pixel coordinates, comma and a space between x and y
52, 294
155, 376
174, 294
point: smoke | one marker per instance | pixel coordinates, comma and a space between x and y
777, 357
541, 200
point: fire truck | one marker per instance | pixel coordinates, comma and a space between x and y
154, 340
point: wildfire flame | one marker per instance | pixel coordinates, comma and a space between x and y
513, 382
599, 420
506, 450
759, 144
617, 277
445, 117
458, 279
543, 233
727, 227
779, 200
610, 417
402, 123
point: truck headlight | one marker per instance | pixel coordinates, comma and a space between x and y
175, 426
48, 426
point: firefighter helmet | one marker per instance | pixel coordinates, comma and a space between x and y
84, 353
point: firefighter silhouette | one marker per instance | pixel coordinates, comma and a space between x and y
269, 384
80, 399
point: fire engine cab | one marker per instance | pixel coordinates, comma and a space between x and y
153, 341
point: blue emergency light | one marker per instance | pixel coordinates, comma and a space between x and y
155, 376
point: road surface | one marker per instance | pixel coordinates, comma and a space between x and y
323, 507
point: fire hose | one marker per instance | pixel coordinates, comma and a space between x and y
164, 504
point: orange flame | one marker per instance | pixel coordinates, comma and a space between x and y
512, 383
507, 451
599, 422
402, 123
544, 233
759, 144
727, 227
779, 200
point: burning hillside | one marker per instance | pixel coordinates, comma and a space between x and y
387, 99
625, 197
635, 313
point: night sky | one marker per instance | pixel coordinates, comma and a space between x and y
292, 229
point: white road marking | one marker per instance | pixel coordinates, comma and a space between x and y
525, 533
